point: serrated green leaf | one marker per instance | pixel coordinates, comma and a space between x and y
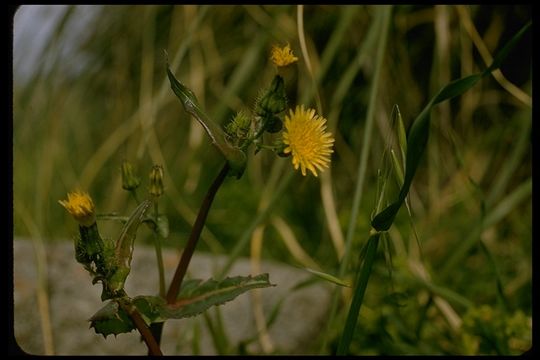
124, 244
111, 319
235, 157
124, 249
328, 277
149, 307
419, 132
196, 296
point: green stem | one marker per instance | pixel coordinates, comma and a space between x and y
354, 310
157, 243
181, 269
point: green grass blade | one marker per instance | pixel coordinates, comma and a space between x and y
499, 58
328, 277
380, 27
402, 135
385, 13
397, 167
419, 132
354, 310
455, 88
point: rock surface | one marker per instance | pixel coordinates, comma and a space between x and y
73, 299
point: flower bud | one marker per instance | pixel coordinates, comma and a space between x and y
274, 99
238, 127
129, 180
156, 181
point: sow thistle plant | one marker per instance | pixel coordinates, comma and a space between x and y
296, 132
299, 134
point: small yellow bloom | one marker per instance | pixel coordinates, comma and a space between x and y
80, 206
306, 139
282, 56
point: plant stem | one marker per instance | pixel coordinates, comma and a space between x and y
153, 346
354, 310
157, 243
181, 269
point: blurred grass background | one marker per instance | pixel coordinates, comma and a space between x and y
104, 98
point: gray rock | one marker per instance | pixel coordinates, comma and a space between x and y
73, 299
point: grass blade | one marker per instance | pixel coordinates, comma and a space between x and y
419, 132
354, 310
328, 277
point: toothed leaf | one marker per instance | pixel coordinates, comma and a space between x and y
111, 319
197, 296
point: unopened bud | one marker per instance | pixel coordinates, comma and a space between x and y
129, 180
156, 181
239, 125
274, 99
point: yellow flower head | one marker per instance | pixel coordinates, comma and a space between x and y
80, 206
306, 139
282, 56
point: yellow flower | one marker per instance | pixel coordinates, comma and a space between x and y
282, 56
80, 206
306, 139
